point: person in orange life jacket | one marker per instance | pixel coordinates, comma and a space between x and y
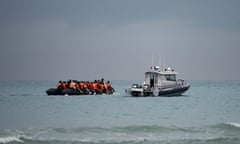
107, 85
102, 80
96, 86
64, 85
81, 85
77, 85
59, 85
88, 85
72, 85
91, 85
85, 85
102, 86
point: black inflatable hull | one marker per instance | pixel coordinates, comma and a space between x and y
55, 91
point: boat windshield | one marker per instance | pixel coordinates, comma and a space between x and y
170, 77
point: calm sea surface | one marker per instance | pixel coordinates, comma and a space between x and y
209, 113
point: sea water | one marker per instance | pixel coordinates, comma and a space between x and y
208, 113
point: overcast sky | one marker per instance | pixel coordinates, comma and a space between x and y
116, 39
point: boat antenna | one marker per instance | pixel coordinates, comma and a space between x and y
159, 62
164, 62
164, 58
152, 63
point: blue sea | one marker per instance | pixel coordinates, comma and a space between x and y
208, 113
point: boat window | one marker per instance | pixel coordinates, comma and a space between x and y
170, 77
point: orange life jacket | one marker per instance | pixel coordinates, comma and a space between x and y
59, 85
90, 86
102, 87
81, 84
64, 85
84, 85
95, 86
107, 86
72, 85
77, 86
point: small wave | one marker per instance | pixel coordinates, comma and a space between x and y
227, 126
21, 94
128, 129
4, 140
157, 129
125, 129
138, 134
234, 124
138, 140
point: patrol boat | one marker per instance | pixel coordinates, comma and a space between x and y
159, 83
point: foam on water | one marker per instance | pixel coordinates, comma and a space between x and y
234, 124
10, 139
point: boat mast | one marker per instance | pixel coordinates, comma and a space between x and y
152, 66
159, 77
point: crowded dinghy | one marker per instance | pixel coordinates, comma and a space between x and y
75, 87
